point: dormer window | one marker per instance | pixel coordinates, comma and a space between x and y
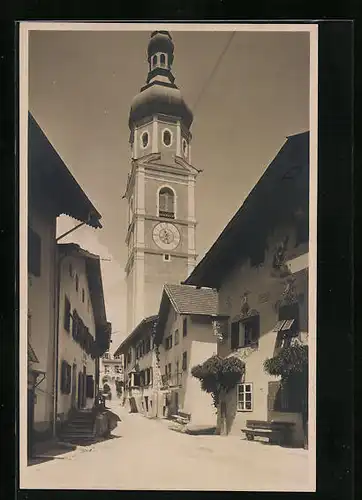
166, 203
154, 61
163, 60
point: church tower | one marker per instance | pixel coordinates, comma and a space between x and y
160, 190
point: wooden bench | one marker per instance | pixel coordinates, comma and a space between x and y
181, 417
277, 432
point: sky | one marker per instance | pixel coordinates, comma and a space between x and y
81, 84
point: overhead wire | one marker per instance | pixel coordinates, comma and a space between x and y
213, 72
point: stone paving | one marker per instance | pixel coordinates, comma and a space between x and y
145, 454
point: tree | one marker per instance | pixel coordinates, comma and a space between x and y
218, 376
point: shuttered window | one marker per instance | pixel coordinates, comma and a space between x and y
184, 327
66, 314
184, 361
34, 253
65, 378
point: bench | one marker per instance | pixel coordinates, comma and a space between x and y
181, 417
277, 432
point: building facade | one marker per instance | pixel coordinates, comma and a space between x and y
111, 375
259, 265
52, 191
185, 336
83, 331
160, 190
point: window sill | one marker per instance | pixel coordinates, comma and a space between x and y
242, 411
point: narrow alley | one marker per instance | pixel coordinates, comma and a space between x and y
145, 454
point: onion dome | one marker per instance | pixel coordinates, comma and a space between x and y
160, 95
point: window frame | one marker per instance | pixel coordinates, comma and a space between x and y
244, 401
67, 314
164, 212
177, 336
241, 332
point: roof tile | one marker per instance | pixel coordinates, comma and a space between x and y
191, 300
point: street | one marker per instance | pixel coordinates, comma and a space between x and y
145, 454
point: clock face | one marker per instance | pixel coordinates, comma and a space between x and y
166, 236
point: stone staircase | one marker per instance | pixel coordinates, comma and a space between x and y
80, 428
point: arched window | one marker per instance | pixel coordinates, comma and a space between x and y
163, 60
166, 203
154, 61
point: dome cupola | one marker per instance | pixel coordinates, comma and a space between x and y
160, 95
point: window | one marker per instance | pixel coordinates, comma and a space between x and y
167, 138
184, 327
75, 325
154, 60
66, 314
65, 378
168, 370
166, 203
76, 282
184, 361
245, 332
244, 397
34, 253
167, 257
83, 295
287, 325
118, 369
176, 337
163, 60
168, 342
144, 139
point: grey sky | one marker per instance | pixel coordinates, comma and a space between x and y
80, 88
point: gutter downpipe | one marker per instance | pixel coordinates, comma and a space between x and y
58, 262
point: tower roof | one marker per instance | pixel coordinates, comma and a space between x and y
160, 95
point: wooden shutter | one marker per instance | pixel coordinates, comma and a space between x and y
235, 326
66, 314
62, 377
69, 379
75, 325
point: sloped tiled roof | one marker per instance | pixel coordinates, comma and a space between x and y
188, 299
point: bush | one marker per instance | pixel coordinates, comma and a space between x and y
219, 375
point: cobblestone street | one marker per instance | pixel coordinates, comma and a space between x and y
146, 454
